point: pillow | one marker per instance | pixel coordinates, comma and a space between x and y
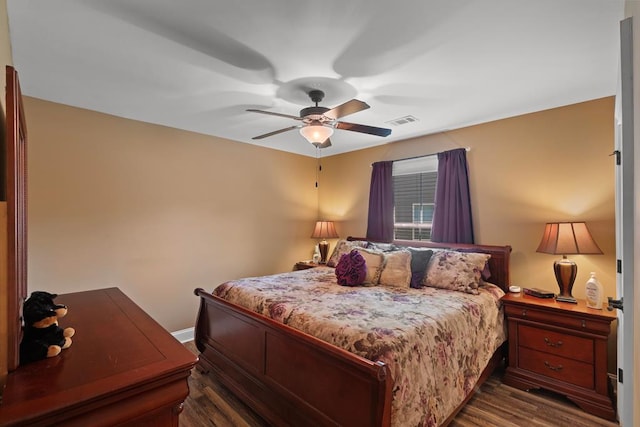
344, 247
374, 262
351, 269
419, 262
396, 269
458, 271
486, 273
382, 247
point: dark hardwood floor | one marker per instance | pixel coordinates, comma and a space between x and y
495, 404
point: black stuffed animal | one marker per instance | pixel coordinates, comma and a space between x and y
45, 299
42, 337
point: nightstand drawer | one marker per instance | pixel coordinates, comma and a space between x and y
568, 320
556, 343
561, 368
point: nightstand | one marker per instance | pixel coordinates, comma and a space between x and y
560, 347
304, 265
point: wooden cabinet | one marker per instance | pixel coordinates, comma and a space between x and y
122, 369
561, 347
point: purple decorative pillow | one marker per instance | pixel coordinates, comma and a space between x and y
351, 269
344, 247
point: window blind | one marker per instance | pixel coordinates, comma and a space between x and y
414, 187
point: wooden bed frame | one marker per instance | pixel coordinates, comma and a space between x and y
291, 378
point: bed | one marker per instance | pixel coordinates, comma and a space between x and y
295, 363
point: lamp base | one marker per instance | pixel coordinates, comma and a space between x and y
565, 271
561, 298
324, 251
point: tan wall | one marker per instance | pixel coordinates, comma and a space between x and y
552, 165
158, 211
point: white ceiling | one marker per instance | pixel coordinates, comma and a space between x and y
199, 64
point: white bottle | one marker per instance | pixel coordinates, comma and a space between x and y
316, 255
594, 291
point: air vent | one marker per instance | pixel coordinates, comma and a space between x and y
402, 121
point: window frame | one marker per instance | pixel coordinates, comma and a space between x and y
416, 166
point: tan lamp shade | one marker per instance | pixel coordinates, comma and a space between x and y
567, 238
324, 230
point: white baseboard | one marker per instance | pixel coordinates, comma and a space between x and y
184, 335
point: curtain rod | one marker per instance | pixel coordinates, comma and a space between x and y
467, 149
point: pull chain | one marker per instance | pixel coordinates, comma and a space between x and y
318, 170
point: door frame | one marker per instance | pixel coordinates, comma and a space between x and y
625, 229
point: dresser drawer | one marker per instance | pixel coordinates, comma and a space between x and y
561, 368
556, 343
568, 320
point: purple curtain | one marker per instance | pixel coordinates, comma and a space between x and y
380, 221
452, 222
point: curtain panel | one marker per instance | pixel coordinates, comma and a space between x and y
380, 220
452, 221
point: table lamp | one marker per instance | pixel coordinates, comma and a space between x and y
567, 238
324, 230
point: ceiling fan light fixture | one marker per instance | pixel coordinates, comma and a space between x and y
316, 133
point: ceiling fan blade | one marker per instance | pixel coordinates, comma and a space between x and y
271, 113
275, 132
347, 108
363, 129
325, 144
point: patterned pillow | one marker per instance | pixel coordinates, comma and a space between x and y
374, 262
486, 272
456, 271
419, 262
344, 247
351, 269
396, 270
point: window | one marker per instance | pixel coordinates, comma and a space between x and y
414, 190
422, 212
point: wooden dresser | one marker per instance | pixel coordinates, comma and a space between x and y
561, 347
122, 369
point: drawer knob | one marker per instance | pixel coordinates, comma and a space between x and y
524, 313
552, 344
553, 368
584, 324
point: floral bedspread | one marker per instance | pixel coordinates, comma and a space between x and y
436, 342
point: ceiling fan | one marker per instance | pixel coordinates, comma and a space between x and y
318, 123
